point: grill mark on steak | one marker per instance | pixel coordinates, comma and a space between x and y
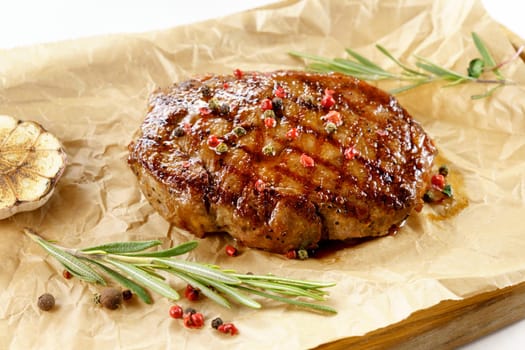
202, 190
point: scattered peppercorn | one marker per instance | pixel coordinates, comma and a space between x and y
216, 322
268, 150
231, 250
221, 148
330, 127
307, 161
308, 101
224, 109
238, 73
327, 101
111, 298
239, 131
279, 92
292, 134
213, 141
228, 328
438, 181
266, 104
226, 85
126, 294
191, 293
270, 123
66, 274
260, 185
269, 114
46, 302
443, 170
205, 91
193, 320
350, 153
204, 111
176, 311
429, 197
214, 105
277, 104
302, 254
190, 310
291, 254
333, 117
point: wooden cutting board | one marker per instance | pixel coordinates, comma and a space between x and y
446, 325
451, 323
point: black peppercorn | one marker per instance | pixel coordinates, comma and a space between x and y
205, 91
443, 170
190, 310
216, 322
428, 197
224, 109
126, 294
277, 104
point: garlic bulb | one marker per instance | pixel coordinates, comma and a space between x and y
32, 160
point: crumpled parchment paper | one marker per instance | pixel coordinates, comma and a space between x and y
92, 93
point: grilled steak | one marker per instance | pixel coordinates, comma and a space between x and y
281, 160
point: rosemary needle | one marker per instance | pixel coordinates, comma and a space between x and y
131, 265
424, 72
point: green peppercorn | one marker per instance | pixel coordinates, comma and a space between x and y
269, 114
302, 254
268, 150
221, 148
330, 127
308, 101
214, 105
239, 131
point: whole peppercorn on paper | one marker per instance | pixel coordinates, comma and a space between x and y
92, 95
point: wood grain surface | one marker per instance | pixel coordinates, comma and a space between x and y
446, 325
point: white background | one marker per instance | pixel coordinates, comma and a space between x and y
24, 22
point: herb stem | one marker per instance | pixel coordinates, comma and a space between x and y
424, 72
128, 264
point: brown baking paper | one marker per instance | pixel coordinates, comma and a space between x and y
92, 94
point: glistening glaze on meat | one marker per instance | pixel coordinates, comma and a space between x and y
209, 160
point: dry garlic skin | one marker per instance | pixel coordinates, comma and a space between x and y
32, 160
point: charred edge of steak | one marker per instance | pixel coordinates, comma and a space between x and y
367, 175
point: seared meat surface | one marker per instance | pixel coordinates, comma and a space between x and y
281, 160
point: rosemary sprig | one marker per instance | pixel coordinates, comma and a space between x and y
128, 264
424, 72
